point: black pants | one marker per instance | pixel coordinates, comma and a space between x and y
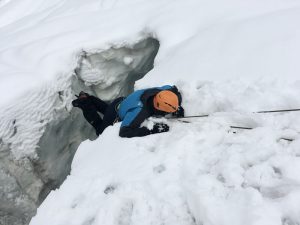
109, 111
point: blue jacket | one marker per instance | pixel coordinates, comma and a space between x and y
137, 107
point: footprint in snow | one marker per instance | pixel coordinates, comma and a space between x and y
159, 169
125, 213
288, 221
110, 189
90, 221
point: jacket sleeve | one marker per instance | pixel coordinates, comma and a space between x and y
132, 121
129, 132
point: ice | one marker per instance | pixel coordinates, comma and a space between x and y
40, 134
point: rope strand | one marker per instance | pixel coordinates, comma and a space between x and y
270, 111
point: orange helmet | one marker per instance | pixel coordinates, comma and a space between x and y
166, 101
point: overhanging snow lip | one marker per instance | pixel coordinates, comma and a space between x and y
59, 116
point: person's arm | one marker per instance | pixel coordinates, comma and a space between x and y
131, 125
144, 131
129, 132
179, 113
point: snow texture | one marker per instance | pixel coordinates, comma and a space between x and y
229, 59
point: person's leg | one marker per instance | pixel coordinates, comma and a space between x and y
100, 105
90, 105
93, 118
110, 115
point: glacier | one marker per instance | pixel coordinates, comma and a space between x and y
229, 59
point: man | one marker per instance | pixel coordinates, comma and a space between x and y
132, 110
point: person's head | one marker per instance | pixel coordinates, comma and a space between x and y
166, 101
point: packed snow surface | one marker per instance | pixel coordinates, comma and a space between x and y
229, 58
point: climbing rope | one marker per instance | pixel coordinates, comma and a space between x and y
270, 111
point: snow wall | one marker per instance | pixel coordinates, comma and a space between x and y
38, 143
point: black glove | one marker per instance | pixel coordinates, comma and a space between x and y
179, 113
159, 128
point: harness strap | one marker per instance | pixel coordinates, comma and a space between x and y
117, 107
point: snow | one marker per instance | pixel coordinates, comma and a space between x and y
40, 39
201, 172
229, 59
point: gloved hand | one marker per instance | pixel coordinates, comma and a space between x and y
159, 128
179, 113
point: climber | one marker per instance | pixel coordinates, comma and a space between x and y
132, 110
